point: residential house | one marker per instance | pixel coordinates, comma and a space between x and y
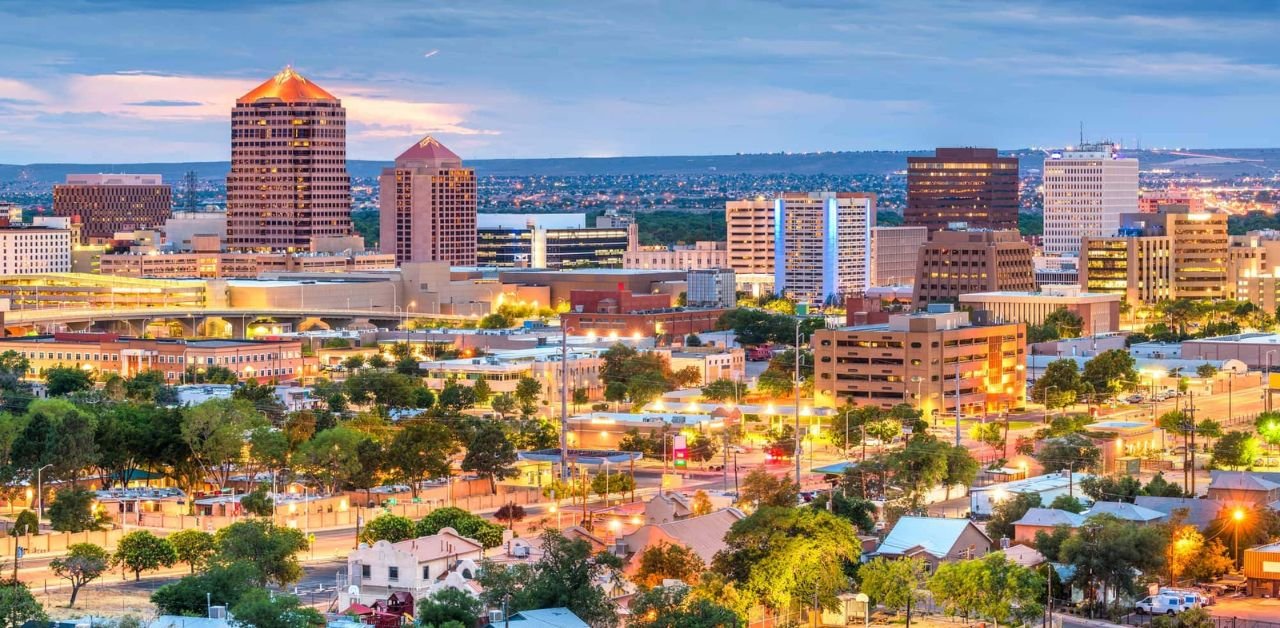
1197, 512
1127, 512
1023, 555
704, 535
982, 500
666, 507
418, 566
1243, 486
935, 539
1043, 520
541, 618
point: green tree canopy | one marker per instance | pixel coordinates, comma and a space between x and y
140, 551
565, 576
387, 527
491, 455
273, 550
259, 608
83, 563
446, 605
420, 451
191, 546
1058, 386
894, 584
678, 607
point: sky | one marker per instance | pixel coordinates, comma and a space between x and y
124, 81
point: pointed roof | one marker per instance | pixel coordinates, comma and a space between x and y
428, 149
288, 86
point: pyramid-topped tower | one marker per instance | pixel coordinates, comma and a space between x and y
427, 206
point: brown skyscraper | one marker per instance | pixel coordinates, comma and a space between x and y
427, 206
110, 203
288, 181
970, 185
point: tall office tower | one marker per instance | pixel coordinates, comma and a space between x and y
427, 206
288, 181
959, 262
109, 203
970, 185
749, 235
1175, 253
822, 245
1085, 191
894, 251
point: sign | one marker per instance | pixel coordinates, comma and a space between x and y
679, 451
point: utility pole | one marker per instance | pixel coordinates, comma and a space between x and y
957, 401
564, 404
799, 441
1191, 450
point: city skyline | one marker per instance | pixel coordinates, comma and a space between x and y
132, 81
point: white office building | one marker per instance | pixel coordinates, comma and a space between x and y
822, 245
1085, 191
44, 247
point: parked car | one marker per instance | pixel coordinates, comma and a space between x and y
1134, 398
1161, 605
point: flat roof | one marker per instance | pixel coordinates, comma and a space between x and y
1040, 296
582, 456
1254, 338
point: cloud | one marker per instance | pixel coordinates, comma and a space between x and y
165, 103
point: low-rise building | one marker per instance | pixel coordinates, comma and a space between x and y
938, 362
1100, 312
936, 540
703, 535
702, 254
983, 499
1127, 512
502, 371
712, 363
418, 566
1243, 486
85, 291
124, 356
1043, 520
217, 264
712, 287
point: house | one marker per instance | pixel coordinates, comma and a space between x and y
1127, 512
541, 618
982, 500
1243, 486
1023, 555
935, 539
704, 535
1198, 512
1043, 520
666, 507
418, 566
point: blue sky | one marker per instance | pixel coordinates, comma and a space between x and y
153, 80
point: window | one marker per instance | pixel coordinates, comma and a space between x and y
364, 571
426, 572
393, 573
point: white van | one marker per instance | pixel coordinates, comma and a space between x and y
1190, 597
1161, 605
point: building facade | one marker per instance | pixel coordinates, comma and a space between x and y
1085, 192
937, 362
1170, 254
427, 206
26, 250
975, 186
77, 291
895, 251
705, 254
1100, 312
712, 287
822, 245
749, 235
288, 181
260, 360
218, 265
107, 203
953, 263
552, 241
1149, 202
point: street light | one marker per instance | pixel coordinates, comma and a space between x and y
40, 491
1237, 516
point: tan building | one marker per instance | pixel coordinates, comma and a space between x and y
418, 566
705, 254
261, 360
712, 363
957, 262
108, 203
933, 361
1100, 312
215, 265
749, 235
1172, 253
288, 181
894, 254
1149, 202
25, 250
427, 206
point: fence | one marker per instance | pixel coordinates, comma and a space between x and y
58, 541
1134, 619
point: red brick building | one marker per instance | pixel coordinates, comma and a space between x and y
615, 301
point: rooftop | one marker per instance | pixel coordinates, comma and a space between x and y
1049, 517
287, 86
935, 535
1126, 511
428, 149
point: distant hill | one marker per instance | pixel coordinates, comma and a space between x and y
1213, 162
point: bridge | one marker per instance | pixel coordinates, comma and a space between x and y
224, 322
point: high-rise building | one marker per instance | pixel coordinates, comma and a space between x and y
971, 185
749, 235
956, 262
938, 362
427, 206
1174, 253
894, 254
711, 287
822, 245
288, 181
110, 203
1085, 191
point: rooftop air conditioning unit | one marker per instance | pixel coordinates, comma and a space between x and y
217, 612
496, 616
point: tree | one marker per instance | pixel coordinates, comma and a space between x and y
491, 455
605, 484
463, 522
1115, 488
988, 434
332, 456
565, 576
215, 431
1235, 450
701, 504
1058, 386
510, 513
83, 563
1067, 503
376, 361
1160, 487
667, 561
259, 608
446, 605
1074, 452
420, 451
140, 551
387, 527
17, 606
1065, 323
219, 585
1268, 426
787, 556
894, 584
527, 392
702, 448
72, 511
1108, 555
720, 390
271, 549
990, 587
678, 607
1110, 371
1206, 370
191, 546
25, 523
503, 404
764, 490
149, 387
64, 380
1008, 511
258, 503
580, 398
268, 451
353, 362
